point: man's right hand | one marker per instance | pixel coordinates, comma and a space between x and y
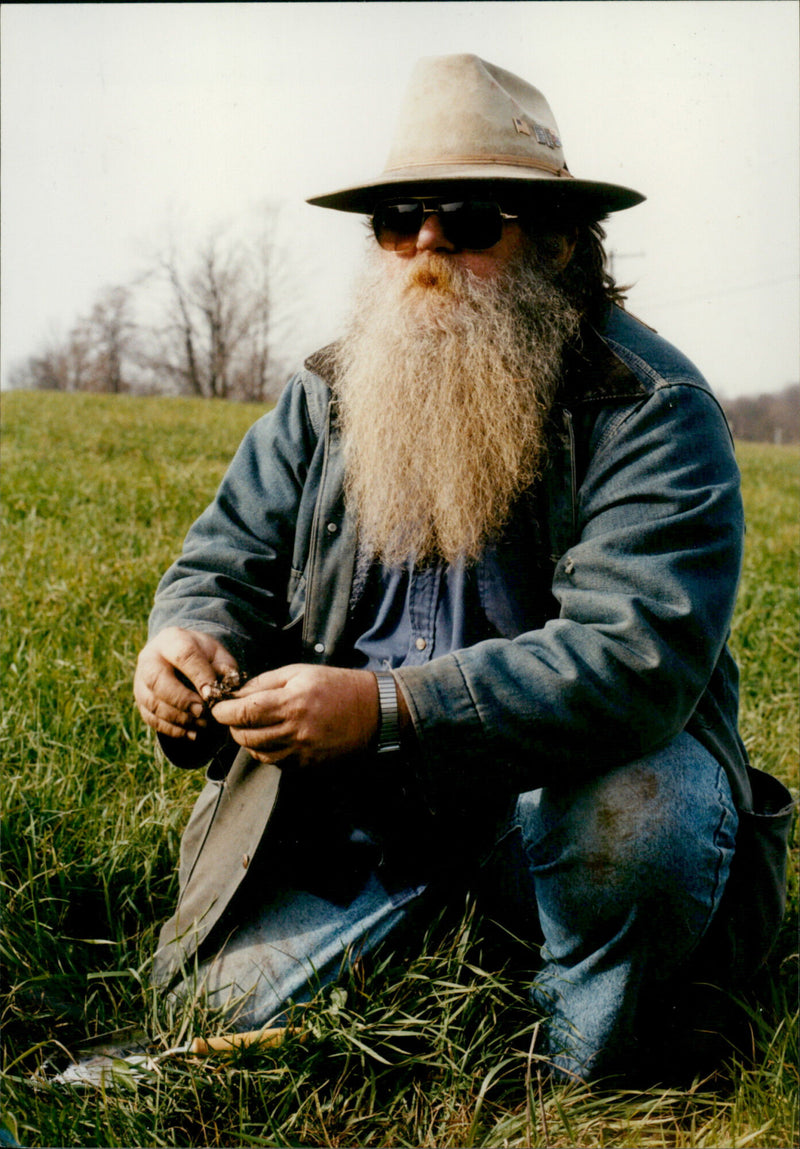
165, 701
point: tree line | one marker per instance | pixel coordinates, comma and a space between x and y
199, 322
202, 321
770, 418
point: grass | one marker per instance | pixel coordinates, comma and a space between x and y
423, 1048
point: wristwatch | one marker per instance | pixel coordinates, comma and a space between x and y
389, 731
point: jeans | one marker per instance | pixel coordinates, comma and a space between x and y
619, 877
626, 872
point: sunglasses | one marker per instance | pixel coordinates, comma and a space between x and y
474, 224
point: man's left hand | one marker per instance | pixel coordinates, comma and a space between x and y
309, 714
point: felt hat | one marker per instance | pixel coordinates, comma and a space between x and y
465, 121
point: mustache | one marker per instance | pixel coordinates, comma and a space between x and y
435, 274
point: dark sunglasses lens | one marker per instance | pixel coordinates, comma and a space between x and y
395, 224
471, 224
474, 224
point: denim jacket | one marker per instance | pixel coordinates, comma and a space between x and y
634, 552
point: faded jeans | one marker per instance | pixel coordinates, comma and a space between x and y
619, 877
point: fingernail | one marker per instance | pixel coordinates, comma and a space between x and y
197, 709
191, 735
205, 692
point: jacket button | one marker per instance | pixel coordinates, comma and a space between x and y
569, 565
319, 647
420, 644
245, 861
332, 528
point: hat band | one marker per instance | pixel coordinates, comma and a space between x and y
513, 161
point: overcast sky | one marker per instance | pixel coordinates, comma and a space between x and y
118, 118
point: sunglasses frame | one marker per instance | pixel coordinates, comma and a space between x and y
439, 208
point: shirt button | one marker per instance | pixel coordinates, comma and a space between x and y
332, 528
319, 647
420, 644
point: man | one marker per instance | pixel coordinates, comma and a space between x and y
476, 573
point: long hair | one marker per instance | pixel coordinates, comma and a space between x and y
587, 279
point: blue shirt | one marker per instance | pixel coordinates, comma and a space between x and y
408, 615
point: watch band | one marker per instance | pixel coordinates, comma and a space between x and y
389, 731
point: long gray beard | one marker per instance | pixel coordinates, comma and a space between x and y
445, 382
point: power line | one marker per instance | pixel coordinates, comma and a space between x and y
613, 256
644, 301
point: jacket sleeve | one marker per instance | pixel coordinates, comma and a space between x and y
646, 597
231, 578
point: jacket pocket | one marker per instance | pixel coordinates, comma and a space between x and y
295, 597
754, 901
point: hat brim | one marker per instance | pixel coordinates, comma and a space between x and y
585, 197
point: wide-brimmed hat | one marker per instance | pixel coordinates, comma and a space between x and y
466, 121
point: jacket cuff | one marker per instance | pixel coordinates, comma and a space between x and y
447, 725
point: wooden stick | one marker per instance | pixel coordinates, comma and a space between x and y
227, 1043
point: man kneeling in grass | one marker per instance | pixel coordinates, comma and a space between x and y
473, 579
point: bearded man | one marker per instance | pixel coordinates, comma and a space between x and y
473, 577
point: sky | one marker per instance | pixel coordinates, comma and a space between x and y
120, 121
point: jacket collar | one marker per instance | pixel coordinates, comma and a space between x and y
323, 363
594, 373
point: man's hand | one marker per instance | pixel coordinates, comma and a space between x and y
165, 701
310, 714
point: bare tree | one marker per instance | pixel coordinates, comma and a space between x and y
78, 358
767, 418
177, 357
97, 355
199, 325
252, 371
101, 344
215, 338
46, 371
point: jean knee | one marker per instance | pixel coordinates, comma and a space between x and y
655, 836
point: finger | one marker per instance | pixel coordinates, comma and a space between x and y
265, 750
192, 655
157, 681
156, 674
161, 726
177, 716
257, 710
223, 662
270, 739
219, 659
281, 758
269, 680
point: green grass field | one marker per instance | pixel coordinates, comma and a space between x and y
424, 1049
